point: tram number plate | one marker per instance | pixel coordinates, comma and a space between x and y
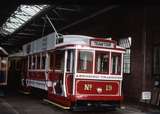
90, 87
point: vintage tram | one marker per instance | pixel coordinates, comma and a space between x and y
3, 70
76, 71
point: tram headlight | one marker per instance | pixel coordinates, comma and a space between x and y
99, 90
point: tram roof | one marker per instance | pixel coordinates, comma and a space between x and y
51, 42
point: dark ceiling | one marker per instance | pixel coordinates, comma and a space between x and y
64, 14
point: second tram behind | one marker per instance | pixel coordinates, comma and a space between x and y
76, 71
3, 67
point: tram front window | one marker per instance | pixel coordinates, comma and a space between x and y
116, 63
85, 62
102, 62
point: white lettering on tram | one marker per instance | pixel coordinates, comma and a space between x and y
100, 77
87, 87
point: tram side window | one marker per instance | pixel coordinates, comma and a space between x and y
30, 61
102, 62
43, 62
70, 61
59, 61
34, 62
116, 63
51, 60
85, 62
38, 61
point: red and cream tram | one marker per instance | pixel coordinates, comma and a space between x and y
76, 71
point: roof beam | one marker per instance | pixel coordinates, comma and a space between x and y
55, 12
23, 17
67, 9
13, 39
30, 30
39, 25
7, 44
55, 19
26, 34
89, 17
23, 37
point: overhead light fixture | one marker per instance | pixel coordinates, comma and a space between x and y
23, 14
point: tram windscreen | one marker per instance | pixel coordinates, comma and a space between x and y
102, 62
85, 62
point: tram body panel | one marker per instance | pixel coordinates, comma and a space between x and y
98, 90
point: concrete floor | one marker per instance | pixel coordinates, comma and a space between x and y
22, 104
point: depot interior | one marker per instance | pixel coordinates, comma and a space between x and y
134, 26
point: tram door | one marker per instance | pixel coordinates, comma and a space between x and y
63, 72
3, 70
58, 73
69, 71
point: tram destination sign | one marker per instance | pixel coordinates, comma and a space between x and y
102, 43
